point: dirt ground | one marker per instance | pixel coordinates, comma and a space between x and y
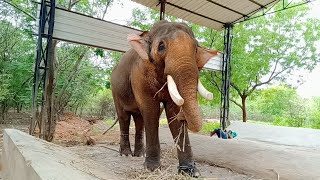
73, 132
76, 133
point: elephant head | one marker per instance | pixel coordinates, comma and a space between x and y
174, 51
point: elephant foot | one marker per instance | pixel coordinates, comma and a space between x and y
189, 169
151, 165
125, 151
138, 151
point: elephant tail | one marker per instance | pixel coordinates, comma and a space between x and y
111, 126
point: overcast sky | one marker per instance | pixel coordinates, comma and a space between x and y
121, 13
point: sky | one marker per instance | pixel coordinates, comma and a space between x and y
121, 13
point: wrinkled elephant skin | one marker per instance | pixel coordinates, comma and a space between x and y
139, 84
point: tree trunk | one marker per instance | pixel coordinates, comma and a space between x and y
18, 107
244, 110
59, 104
2, 112
49, 108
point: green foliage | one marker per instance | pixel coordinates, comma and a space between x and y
314, 117
269, 49
99, 52
207, 127
207, 110
108, 84
277, 101
101, 105
282, 105
16, 62
109, 122
315, 120
96, 9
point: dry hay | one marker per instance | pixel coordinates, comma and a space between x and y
163, 174
166, 172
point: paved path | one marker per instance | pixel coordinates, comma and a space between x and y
290, 136
259, 159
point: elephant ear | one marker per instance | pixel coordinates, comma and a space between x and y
138, 44
204, 55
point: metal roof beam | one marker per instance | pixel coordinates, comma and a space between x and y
225, 7
255, 2
179, 7
253, 12
283, 8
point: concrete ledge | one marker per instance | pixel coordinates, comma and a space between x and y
261, 160
290, 136
28, 158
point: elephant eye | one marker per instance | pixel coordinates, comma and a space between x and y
161, 47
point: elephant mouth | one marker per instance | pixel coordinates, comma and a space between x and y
189, 105
176, 97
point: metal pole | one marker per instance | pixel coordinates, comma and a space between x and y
36, 75
162, 9
226, 76
46, 19
45, 124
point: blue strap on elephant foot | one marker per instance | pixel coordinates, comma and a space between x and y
189, 170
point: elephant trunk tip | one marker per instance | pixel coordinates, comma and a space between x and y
195, 127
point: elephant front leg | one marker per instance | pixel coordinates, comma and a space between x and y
180, 135
151, 115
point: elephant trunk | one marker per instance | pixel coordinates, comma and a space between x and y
186, 79
190, 108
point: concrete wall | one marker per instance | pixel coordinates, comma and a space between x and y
25, 157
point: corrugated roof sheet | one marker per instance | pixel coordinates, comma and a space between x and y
210, 13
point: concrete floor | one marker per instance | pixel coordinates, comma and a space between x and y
266, 152
259, 151
287, 136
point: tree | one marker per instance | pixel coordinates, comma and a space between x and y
283, 105
15, 61
63, 90
315, 113
268, 49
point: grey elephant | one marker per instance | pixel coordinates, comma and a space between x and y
162, 66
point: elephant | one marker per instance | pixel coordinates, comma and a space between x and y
161, 67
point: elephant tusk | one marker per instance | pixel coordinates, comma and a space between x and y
204, 92
173, 91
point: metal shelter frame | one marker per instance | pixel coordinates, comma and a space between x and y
226, 76
45, 36
46, 19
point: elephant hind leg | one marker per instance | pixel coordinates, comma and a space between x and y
139, 137
124, 122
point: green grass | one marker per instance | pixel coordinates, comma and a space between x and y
163, 121
207, 127
109, 122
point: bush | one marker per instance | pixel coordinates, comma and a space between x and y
207, 127
291, 122
315, 120
280, 121
101, 105
209, 112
